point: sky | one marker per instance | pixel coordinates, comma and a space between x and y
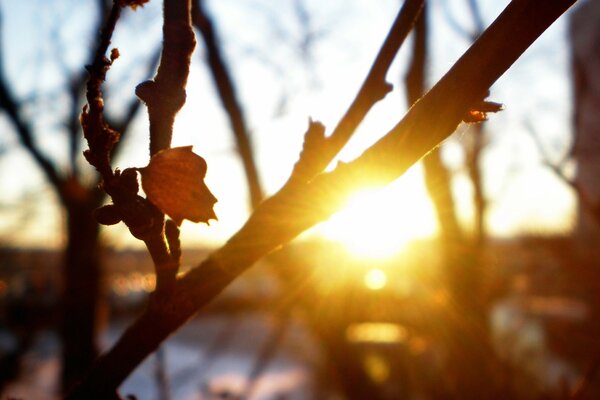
283, 79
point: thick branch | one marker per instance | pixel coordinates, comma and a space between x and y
123, 124
165, 94
227, 94
296, 208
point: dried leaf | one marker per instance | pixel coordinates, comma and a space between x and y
174, 182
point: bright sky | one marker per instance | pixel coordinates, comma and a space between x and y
281, 87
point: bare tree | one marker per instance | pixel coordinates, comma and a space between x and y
79, 198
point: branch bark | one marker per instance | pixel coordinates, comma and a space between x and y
298, 207
165, 94
227, 93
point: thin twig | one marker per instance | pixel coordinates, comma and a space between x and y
24, 130
373, 89
100, 137
477, 18
227, 93
592, 207
161, 374
164, 96
267, 352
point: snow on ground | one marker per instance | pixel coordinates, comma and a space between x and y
208, 355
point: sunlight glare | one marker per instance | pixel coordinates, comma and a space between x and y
376, 332
377, 224
375, 279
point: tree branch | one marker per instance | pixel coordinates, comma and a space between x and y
24, 132
298, 207
165, 94
318, 155
227, 93
591, 206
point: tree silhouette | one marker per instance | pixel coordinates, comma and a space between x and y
79, 197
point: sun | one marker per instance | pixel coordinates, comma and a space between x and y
377, 224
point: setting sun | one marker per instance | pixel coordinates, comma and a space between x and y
379, 223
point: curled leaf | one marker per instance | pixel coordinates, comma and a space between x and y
174, 182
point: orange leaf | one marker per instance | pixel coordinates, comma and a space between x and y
174, 182
132, 3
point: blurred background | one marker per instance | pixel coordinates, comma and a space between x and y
475, 275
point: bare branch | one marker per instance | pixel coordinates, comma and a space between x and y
454, 24
100, 137
477, 18
24, 131
590, 205
373, 89
165, 94
227, 93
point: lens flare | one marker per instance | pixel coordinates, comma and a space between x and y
377, 224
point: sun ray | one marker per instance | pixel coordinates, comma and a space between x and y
377, 224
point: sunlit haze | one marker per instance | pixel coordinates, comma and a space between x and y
379, 223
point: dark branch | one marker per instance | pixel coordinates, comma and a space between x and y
165, 94
477, 18
24, 131
373, 89
227, 93
100, 137
591, 206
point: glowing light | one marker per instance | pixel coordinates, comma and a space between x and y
375, 279
376, 332
377, 224
377, 367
